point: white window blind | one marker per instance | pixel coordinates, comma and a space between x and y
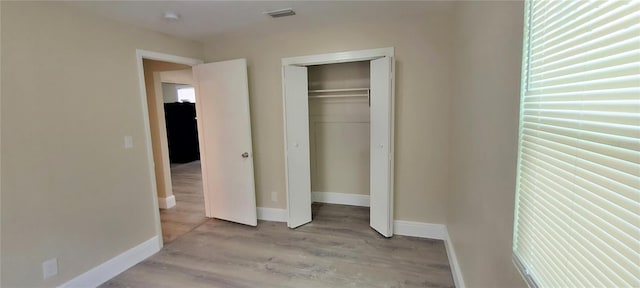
577, 218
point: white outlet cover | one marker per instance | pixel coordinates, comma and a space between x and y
274, 196
50, 268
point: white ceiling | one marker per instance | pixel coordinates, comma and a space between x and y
202, 20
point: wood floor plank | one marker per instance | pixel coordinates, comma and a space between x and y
337, 249
189, 210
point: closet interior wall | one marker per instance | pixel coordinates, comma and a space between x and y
339, 127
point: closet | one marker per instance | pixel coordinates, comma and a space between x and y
338, 111
339, 131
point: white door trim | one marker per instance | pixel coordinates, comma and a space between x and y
339, 57
344, 57
144, 54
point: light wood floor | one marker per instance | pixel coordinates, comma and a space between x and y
189, 210
337, 249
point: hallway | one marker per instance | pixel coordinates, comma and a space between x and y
189, 210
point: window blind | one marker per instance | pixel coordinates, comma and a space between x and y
577, 218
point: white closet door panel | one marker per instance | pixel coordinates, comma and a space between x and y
224, 131
381, 121
296, 107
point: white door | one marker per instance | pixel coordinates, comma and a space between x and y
298, 163
224, 131
381, 210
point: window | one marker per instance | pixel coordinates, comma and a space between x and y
187, 95
577, 218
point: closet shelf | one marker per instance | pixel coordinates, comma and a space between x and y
339, 93
339, 90
339, 96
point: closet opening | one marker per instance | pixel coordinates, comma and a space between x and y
339, 138
338, 118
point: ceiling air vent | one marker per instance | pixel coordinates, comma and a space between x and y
281, 13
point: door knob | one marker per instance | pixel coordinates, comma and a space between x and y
245, 155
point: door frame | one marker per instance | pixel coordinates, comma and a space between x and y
345, 57
140, 55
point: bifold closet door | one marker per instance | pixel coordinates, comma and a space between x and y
298, 163
381, 189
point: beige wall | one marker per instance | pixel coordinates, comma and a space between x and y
70, 94
178, 77
170, 92
423, 45
340, 76
155, 104
484, 137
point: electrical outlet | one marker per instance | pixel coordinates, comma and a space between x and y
274, 196
128, 142
50, 268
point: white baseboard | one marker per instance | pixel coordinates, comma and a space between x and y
116, 265
453, 263
420, 229
166, 203
432, 231
272, 214
340, 198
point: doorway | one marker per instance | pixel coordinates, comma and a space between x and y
224, 137
339, 135
171, 104
368, 123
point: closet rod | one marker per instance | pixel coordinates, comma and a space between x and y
338, 90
